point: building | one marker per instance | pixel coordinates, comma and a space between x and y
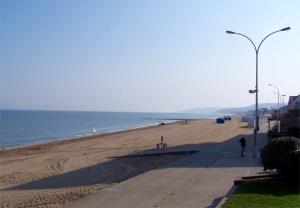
290, 120
294, 102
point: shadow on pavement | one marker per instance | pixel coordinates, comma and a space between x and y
121, 168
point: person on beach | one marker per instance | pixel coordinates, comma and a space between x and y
94, 130
243, 145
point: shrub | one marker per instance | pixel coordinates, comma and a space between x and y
282, 154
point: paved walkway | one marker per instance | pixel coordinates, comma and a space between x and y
200, 180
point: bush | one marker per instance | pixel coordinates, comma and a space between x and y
293, 131
282, 154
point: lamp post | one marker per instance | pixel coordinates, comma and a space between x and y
256, 129
283, 104
278, 97
283, 100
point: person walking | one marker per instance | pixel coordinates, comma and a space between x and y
243, 146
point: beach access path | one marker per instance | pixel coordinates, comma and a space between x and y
199, 180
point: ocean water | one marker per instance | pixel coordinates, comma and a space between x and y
22, 127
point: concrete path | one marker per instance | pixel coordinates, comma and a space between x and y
199, 180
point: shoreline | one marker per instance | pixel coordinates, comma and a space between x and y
23, 133
36, 145
53, 173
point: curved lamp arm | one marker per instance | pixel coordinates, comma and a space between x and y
284, 29
278, 93
257, 48
230, 32
275, 87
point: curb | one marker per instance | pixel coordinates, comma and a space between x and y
225, 198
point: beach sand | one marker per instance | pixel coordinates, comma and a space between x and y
48, 175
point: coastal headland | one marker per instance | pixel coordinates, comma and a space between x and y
49, 175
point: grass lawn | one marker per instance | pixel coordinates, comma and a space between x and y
265, 193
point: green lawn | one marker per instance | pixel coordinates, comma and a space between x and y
263, 194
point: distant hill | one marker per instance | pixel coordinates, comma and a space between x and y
246, 108
238, 110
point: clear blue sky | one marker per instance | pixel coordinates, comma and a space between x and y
137, 55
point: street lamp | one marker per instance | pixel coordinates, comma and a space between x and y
278, 97
283, 100
256, 85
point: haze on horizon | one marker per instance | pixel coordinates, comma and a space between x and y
151, 56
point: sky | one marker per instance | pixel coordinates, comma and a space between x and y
145, 56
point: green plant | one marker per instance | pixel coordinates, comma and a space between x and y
282, 154
267, 193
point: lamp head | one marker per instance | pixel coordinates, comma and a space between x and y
230, 32
285, 29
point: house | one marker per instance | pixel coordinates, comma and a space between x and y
290, 120
294, 102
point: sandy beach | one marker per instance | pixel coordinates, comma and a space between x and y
48, 175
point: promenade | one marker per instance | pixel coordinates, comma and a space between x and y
199, 180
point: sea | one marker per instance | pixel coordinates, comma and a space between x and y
26, 127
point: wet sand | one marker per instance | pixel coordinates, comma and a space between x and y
48, 175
